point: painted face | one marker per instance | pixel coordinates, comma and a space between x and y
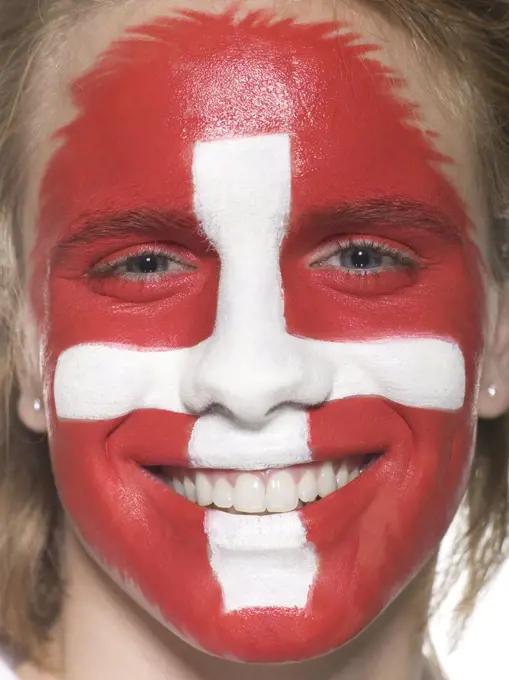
254, 281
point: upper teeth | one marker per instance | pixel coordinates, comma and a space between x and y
268, 491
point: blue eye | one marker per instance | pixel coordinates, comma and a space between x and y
360, 257
149, 263
366, 257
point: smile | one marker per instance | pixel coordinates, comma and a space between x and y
264, 491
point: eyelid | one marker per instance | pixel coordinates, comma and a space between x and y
400, 253
107, 268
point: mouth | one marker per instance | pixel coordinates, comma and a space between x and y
267, 491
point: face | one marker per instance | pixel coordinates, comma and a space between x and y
260, 304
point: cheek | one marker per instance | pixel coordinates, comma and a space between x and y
178, 313
443, 299
329, 306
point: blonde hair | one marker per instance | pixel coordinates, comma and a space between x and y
471, 37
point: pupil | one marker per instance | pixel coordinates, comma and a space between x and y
361, 259
145, 264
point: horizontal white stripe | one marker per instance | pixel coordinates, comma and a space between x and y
100, 381
419, 372
270, 554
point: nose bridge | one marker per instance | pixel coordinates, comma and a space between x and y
251, 362
250, 365
250, 309
243, 192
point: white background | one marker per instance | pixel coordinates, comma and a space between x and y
483, 651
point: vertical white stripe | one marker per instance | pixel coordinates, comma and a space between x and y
261, 561
242, 199
220, 439
243, 193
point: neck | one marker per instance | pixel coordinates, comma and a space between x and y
105, 635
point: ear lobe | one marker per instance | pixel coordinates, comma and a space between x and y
30, 405
31, 413
494, 388
493, 400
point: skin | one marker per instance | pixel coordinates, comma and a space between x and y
389, 647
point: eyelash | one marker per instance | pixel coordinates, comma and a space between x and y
401, 258
110, 269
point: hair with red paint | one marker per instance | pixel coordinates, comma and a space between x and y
472, 38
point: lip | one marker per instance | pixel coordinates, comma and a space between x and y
144, 438
318, 455
284, 460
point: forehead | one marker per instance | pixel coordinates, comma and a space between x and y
124, 130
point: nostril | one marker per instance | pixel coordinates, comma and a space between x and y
251, 409
248, 393
239, 417
252, 377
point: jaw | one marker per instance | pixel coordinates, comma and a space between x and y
131, 626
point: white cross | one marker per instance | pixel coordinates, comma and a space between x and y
251, 364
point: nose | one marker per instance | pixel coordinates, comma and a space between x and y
250, 365
249, 373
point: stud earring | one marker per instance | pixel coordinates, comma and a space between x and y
492, 391
37, 405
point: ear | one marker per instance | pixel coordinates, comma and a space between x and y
494, 387
26, 360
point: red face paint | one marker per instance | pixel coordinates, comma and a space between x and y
356, 148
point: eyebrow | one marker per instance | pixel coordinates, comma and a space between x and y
102, 226
395, 211
155, 223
